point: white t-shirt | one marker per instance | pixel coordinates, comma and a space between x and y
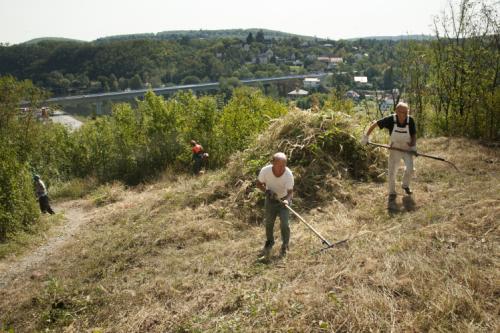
279, 185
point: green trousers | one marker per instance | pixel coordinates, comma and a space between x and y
274, 208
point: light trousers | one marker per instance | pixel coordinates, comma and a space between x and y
395, 158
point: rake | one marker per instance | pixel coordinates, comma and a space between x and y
324, 241
413, 153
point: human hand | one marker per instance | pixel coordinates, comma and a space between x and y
364, 139
412, 148
285, 202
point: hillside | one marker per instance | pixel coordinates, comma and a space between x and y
398, 38
205, 34
51, 39
179, 255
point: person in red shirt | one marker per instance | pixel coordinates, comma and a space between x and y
197, 157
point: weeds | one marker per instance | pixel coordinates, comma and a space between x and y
73, 189
107, 194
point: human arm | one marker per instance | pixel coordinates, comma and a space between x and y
288, 198
261, 186
413, 134
365, 138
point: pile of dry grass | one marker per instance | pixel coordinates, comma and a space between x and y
323, 152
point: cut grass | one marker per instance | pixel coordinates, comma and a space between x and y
172, 259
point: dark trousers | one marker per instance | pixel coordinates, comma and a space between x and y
273, 209
198, 162
44, 205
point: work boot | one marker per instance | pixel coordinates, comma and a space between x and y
283, 251
266, 251
407, 190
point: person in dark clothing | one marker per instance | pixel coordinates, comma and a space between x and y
197, 150
42, 195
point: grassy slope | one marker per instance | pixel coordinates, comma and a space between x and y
150, 262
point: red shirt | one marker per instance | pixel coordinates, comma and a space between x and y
197, 149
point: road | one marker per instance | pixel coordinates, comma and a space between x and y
65, 119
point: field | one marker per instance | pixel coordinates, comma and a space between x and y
173, 256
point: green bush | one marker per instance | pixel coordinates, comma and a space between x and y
75, 188
17, 202
18, 207
133, 144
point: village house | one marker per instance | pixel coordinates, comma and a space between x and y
296, 93
331, 62
311, 82
361, 79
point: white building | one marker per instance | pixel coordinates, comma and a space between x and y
311, 82
297, 93
361, 79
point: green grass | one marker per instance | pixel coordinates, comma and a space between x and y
32, 235
73, 189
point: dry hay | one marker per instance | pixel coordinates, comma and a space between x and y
152, 263
323, 152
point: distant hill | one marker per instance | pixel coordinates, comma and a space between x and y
397, 38
213, 34
205, 34
52, 39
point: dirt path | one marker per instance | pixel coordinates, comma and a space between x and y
19, 267
76, 213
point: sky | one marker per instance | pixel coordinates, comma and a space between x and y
22, 20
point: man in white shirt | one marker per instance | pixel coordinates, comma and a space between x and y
276, 180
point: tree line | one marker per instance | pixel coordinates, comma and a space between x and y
131, 145
71, 67
451, 83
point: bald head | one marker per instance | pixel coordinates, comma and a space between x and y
279, 164
279, 157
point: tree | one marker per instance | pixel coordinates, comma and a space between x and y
122, 83
466, 68
113, 82
18, 139
135, 82
388, 79
191, 79
250, 39
260, 37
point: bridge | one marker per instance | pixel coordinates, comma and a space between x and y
99, 98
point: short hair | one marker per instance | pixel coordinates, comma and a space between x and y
193, 142
403, 105
279, 157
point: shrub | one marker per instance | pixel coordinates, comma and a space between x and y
18, 206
